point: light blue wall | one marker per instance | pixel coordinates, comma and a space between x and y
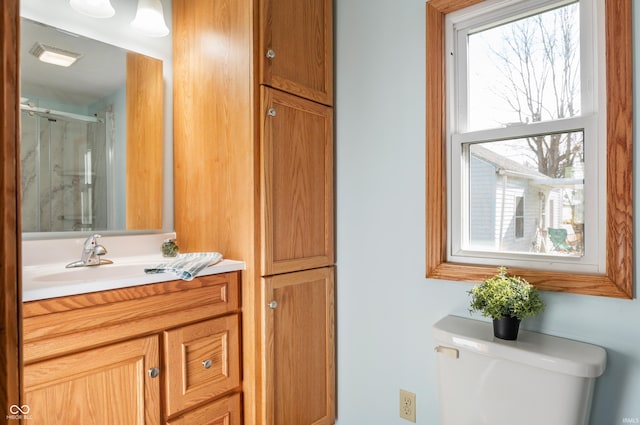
385, 306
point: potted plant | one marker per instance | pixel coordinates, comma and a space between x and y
507, 300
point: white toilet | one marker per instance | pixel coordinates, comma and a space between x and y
538, 379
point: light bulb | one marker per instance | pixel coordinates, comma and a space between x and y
93, 8
150, 19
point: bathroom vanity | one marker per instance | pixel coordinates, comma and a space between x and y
167, 352
111, 344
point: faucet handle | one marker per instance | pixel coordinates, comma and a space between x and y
91, 241
92, 252
99, 250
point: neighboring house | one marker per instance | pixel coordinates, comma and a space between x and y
512, 206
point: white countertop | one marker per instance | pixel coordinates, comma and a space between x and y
50, 279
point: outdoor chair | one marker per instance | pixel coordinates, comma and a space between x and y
558, 238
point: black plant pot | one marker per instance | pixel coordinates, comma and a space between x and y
506, 328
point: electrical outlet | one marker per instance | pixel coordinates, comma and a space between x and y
408, 405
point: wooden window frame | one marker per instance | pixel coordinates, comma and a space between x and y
618, 278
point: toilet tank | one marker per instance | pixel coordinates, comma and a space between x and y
537, 379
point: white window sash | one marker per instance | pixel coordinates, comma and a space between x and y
494, 12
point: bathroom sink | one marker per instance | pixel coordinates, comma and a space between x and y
90, 273
54, 280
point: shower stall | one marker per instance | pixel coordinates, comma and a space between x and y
67, 170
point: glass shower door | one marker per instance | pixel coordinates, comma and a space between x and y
64, 164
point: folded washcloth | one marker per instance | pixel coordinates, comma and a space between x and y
187, 266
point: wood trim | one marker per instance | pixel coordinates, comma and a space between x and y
618, 279
436, 196
448, 6
10, 237
619, 144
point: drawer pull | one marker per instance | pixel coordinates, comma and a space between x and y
154, 372
207, 364
270, 54
273, 304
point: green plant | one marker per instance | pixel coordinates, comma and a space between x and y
505, 295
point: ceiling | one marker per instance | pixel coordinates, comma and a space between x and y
98, 73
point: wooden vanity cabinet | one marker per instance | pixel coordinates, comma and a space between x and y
106, 385
296, 47
151, 354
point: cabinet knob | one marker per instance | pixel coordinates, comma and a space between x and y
273, 304
154, 372
271, 112
271, 54
207, 363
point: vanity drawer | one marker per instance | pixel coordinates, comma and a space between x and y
205, 359
227, 411
62, 325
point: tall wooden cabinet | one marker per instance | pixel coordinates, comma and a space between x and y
254, 179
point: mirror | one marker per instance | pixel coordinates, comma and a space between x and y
92, 135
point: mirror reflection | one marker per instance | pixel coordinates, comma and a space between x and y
91, 141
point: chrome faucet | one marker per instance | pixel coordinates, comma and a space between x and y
92, 252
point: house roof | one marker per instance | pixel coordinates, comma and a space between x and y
506, 164
513, 168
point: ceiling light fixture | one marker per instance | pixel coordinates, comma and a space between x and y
150, 19
54, 55
93, 8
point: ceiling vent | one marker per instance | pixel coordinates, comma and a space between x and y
54, 55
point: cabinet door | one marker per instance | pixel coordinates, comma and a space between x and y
202, 362
107, 385
297, 183
300, 373
296, 44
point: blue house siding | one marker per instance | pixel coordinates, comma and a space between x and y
492, 200
482, 190
507, 234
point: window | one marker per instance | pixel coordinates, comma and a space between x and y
518, 217
528, 186
522, 87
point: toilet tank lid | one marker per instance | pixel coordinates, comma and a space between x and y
535, 349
